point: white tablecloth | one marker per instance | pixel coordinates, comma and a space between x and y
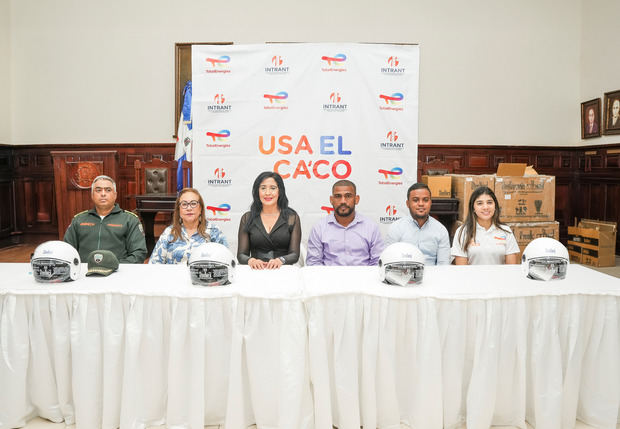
303, 348
481, 345
144, 347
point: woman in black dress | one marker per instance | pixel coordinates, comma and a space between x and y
270, 233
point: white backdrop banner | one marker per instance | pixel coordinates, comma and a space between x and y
314, 113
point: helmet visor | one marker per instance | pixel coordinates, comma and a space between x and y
51, 270
547, 268
404, 273
209, 274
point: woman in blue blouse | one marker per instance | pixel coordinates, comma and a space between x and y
189, 229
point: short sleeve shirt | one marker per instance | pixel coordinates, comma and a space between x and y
490, 246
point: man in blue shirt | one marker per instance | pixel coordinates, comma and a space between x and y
344, 237
420, 229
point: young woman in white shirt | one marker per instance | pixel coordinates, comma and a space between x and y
483, 239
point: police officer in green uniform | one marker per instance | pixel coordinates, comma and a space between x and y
107, 227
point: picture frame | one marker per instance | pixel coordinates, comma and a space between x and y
591, 118
612, 112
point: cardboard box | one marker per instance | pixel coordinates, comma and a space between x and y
464, 184
594, 241
440, 186
523, 195
525, 232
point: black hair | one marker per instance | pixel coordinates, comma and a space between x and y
257, 206
417, 186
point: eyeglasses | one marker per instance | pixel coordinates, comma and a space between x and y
185, 204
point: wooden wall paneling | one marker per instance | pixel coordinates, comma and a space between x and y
73, 174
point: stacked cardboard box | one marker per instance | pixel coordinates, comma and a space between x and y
440, 186
593, 243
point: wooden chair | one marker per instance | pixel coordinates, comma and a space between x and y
160, 177
155, 177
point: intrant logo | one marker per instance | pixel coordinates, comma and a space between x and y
393, 61
392, 136
390, 210
335, 97
276, 60
219, 99
219, 173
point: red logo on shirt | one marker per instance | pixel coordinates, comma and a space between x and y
115, 225
87, 224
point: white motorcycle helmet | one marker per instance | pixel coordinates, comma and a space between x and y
402, 264
545, 259
211, 264
54, 262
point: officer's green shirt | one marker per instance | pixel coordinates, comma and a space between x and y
120, 231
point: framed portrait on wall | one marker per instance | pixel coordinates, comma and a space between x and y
612, 112
591, 118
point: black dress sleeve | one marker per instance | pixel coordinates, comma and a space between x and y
293, 247
243, 241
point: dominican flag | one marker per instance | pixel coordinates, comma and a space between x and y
183, 150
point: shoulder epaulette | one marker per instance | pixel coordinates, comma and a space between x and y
132, 213
85, 211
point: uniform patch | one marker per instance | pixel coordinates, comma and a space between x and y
98, 257
87, 224
115, 225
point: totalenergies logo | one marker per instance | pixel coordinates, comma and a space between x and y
395, 98
392, 102
327, 209
277, 65
279, 99
334, 63
391, 177
393, 173
221, 135
392, 66
390, 210
222, 208
219, 139
218, 65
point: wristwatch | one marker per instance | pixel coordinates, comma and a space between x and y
281, 258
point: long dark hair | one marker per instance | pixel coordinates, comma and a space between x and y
257, 206
469, 227
176, 217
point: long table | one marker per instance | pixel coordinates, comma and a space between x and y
310, 348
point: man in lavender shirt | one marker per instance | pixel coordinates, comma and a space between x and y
344, 237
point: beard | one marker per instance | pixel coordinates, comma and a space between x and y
344, 210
